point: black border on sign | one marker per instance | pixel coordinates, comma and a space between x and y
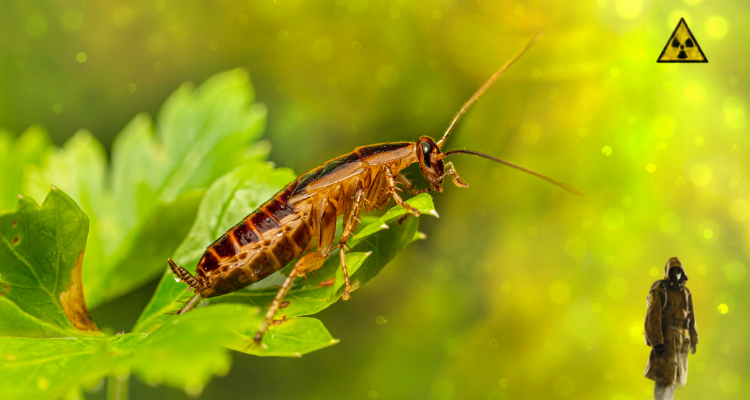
682, 21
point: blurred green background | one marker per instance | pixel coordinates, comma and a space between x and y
521, 290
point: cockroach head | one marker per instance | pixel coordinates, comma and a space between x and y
431, 162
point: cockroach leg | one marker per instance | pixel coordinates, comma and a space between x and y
392, 187
308, 263
327, 282
450, 169
410, 187
349, 225
190, 304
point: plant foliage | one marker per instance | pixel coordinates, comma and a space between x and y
132, 216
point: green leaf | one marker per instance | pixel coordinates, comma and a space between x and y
184, 353
41, 251
48, 348
17, 157
141, 206
226, 202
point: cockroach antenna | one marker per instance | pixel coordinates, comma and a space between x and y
518, 167
484, 87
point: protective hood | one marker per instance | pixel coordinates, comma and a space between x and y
675, 262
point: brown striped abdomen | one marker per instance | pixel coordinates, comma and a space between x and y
261, 244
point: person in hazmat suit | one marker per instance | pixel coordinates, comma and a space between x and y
669, 318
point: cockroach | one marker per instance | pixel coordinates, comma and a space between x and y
302, 216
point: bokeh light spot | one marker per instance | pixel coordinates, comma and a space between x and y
503, 383
717, 27
702, 269
36, 25
356, 46
708, 233
614, 72
663, 125
729, 382
701, 174
132, 87
381, 320
609, 259
493, 344
653, 271
505, 287
583, 132
57, 108
700, 366
81, 57
734, 112
123, 16
559, 292
607, 151
629, 9
723, 308
650, 167
596, 307
71, 20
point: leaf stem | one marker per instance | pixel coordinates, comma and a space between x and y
117, 387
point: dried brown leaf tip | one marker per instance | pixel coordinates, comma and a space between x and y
73, 302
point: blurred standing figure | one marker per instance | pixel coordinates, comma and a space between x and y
669, 315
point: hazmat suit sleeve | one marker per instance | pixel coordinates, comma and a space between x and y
691, 325
653, 318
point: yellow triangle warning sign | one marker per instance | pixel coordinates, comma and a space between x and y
682, 47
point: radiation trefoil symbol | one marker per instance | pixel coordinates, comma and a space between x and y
682, 47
